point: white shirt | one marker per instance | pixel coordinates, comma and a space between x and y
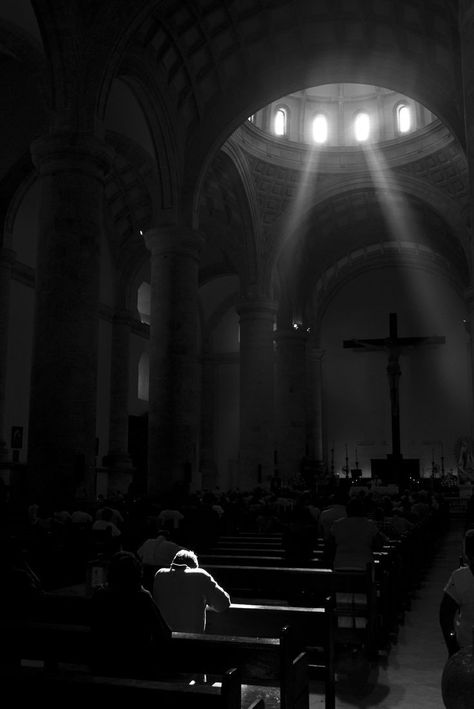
102, 524
182, 595
461, 589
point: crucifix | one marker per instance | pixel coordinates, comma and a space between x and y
393, 344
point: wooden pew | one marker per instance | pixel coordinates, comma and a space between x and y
355, 593
273, 668
251, 550
313, 628
244, 559
69, 688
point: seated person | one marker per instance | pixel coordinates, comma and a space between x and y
456, 613
156, 553
335, 510
21, 588
354, 538
184, 591
129, 635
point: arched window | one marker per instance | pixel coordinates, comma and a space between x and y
144, 377
144, 302
280, 122
362, 127
403, 118
320, 128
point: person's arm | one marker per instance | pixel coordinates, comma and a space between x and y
447, 613
216, 597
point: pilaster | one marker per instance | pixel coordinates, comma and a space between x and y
174, 368
257, 429
7, 258
117, 457
315, 404
62, 425
290, 394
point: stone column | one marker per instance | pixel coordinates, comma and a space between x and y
257, 440
469, 325
174, 368
207, 462
62, 425
466, 29
117, 458
315, 404
7, 257
290, 395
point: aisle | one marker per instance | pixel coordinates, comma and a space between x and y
411, 678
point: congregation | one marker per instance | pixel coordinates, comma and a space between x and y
168, 563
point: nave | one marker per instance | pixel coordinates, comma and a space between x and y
410, 676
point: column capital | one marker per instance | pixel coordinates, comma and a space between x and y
261, 307
62, 152
174, 240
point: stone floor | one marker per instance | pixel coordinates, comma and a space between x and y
410, 677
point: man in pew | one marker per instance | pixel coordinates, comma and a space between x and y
129, 637
335, 510
184, 591
456, 612
354, 538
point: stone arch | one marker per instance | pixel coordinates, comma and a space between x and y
358, 263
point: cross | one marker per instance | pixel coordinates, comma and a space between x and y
394, 346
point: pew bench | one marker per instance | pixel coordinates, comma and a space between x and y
355, 593
272, 668
313, 629
69, 688
244, 559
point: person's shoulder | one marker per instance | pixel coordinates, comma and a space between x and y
199, 572
463, 575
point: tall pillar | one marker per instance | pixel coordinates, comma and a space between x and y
315, 404
62, 424
290, 395
469, 299
117, 458
466, 30
174, 368
7, 257
257, 441
207, 461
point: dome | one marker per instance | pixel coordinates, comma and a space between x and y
339, 115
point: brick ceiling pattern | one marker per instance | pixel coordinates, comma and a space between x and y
202, 47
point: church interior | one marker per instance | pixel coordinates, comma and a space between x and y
236, 248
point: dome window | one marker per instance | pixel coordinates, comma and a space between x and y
320, 128
280, 124
362, 127
403, 118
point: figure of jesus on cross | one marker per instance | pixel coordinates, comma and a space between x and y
394, 345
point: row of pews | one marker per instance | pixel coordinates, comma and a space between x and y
283, 628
